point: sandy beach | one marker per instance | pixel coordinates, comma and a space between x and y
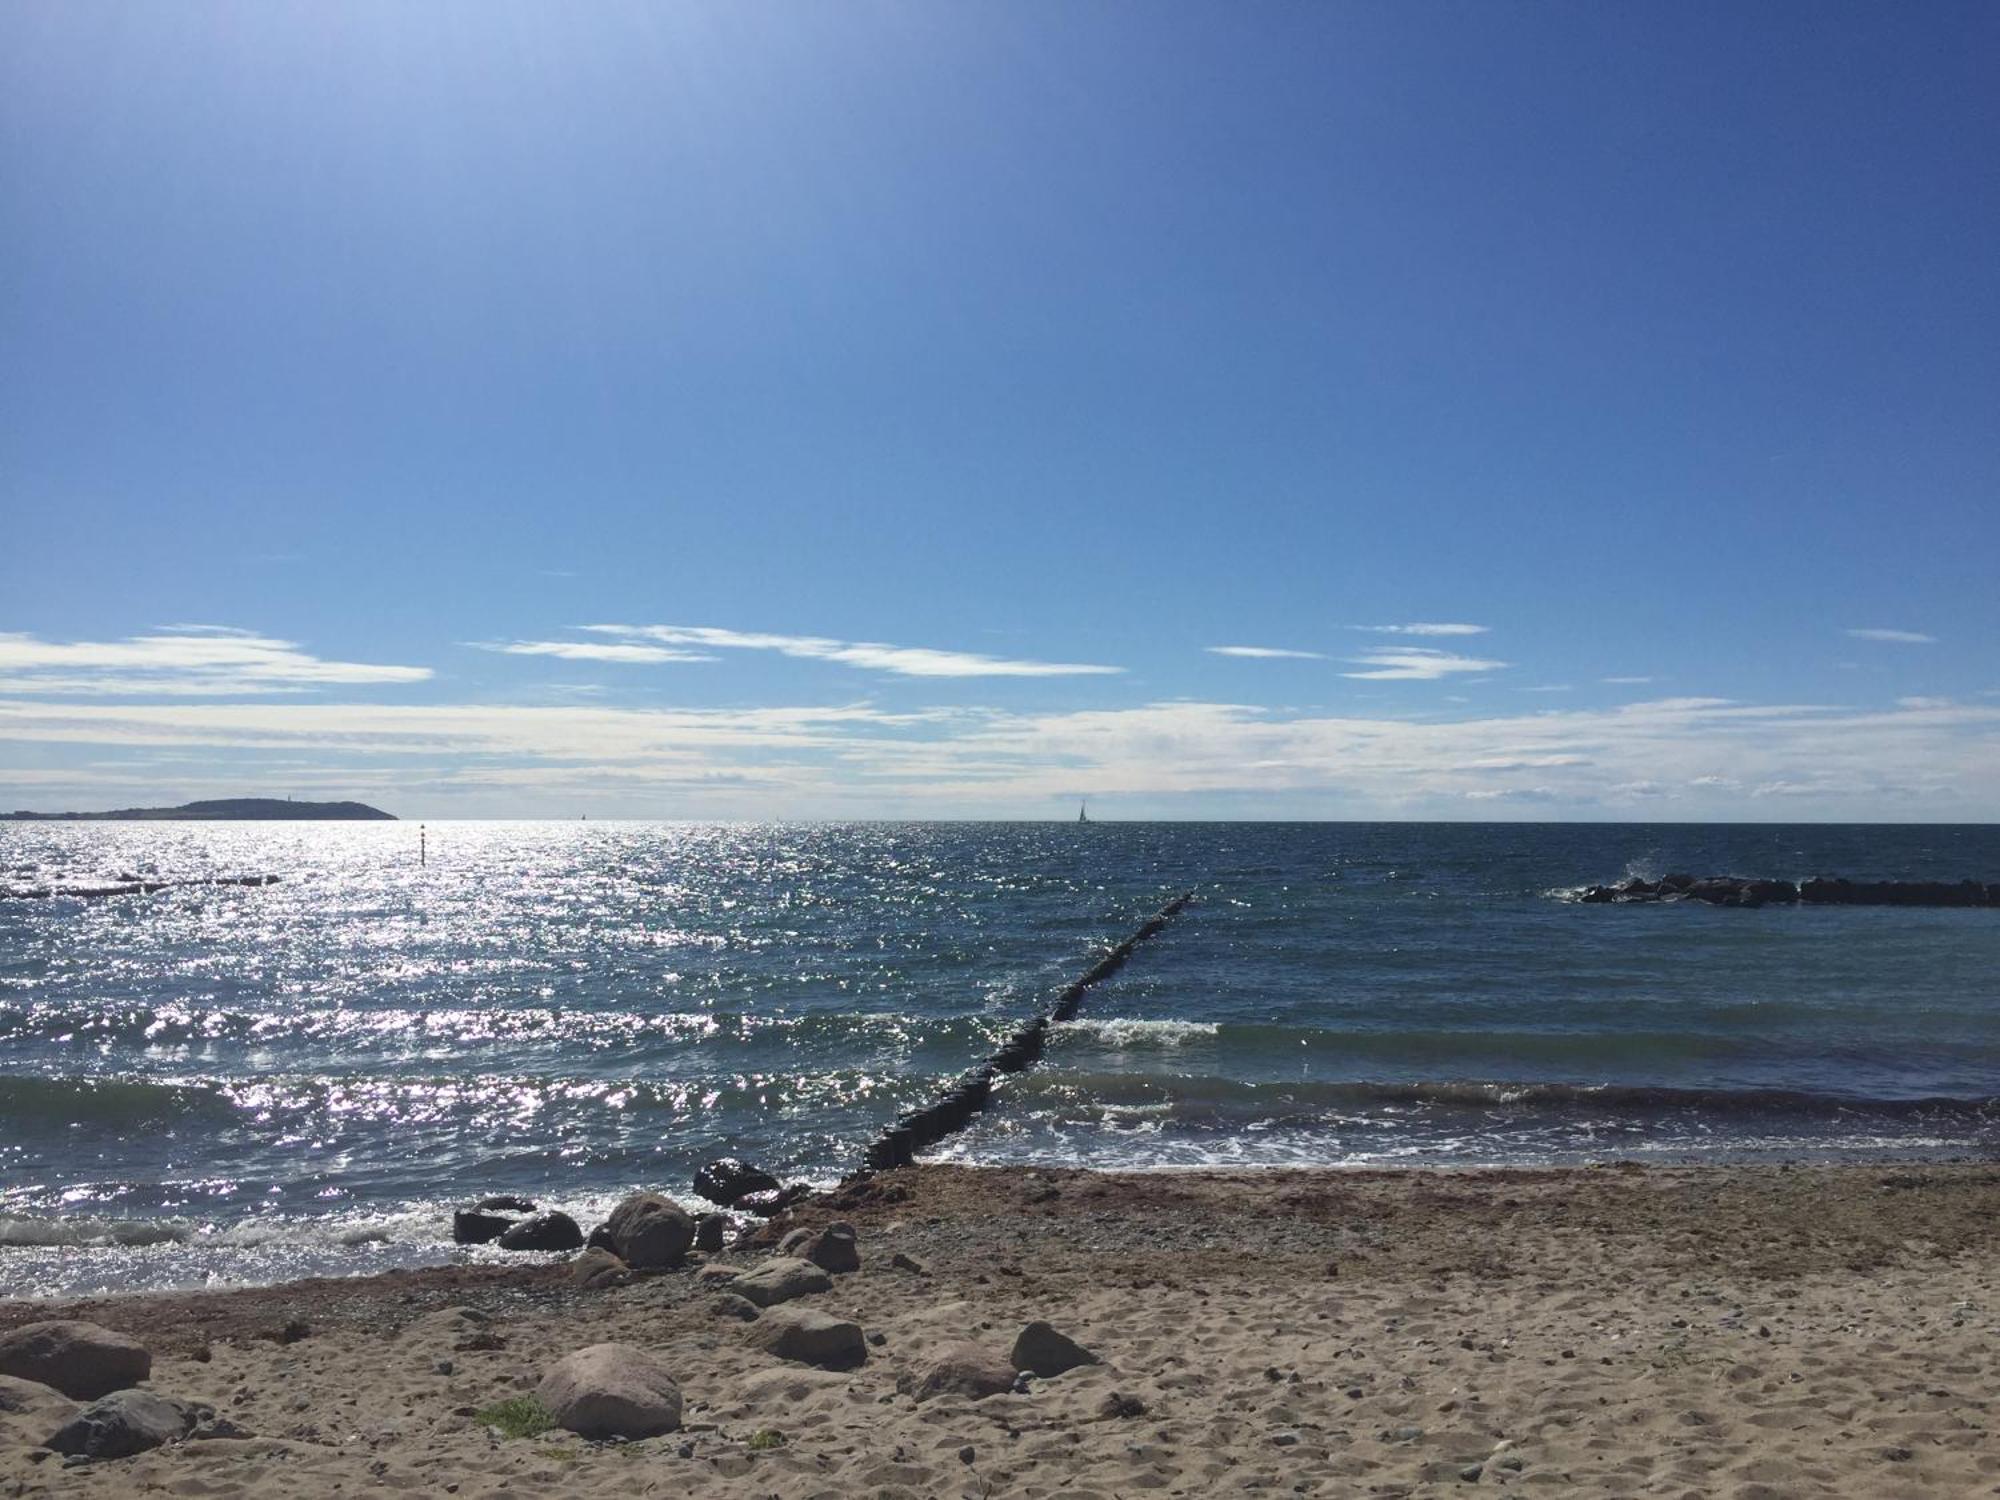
1746, 1332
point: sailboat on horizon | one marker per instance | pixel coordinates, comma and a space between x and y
1082, 811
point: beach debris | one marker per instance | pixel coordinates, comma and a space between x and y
1117, 1404
1041, 1350
773, 1201
82, 1360
832, 1249
471, 1227
726, 1180
780, 1279
709, 1230
649, 1232
910, 1263
968, 1370
554, 1230
594, 1270
806, 1336
611, 1391
128, 1422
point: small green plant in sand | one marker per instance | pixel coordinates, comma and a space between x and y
517, 1417
764, 1439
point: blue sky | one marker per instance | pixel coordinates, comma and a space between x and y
741, 410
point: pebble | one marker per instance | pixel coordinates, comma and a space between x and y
966, 1454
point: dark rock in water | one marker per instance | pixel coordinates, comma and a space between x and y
833, 1249
600, 1239
469, 1227
1741, 891
555, 1230
127, 1422
726, 1180
709, 1230
505, 1202
775, 1201
649, 1232
1673, 885
82, 1360
1045, 1352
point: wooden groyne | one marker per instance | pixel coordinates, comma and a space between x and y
953, 1111
127, 888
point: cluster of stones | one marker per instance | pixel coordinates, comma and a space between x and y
619, 1390
1736, 890
47, 1368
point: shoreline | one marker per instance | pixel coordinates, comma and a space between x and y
1752, 1331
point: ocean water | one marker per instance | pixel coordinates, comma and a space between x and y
227, 1084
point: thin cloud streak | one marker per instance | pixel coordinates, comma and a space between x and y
1898, 637
182, 660
1265, 653
874, 656
1418, 664
1422, 628
592, 651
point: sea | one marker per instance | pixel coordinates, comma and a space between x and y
220, 1085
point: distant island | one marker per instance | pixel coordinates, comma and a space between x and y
231, 809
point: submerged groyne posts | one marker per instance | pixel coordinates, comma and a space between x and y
127, 888
953, 1111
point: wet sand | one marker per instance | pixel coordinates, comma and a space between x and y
1744, 1332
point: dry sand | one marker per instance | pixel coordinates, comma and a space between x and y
1749, 1333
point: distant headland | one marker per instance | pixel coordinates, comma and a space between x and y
229, 809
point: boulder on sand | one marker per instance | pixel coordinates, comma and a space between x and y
649, 1232
594, 1270
726, 1179
709, 1230
1041, 1350
611, 1391
780, 1279
127, 1422
550, 1231
30, 1411
966, 1370
832, 1249
82, 1360
773, 1201
807, 1336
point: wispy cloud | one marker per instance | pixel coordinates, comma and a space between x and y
1266, 653
1417, 664
903, 661
181, 661
1625, 681
1899, 637
1423, 628
625, 651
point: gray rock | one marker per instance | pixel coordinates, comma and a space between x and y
780, 1279
709, 1230
505, 1202
795, 1242
833, 1249
127, 1422
1044, 1352
725, 1180
82, 1360
594, 1270
810, 1337
29, 1411
966, 1370
649, 1232
611, 1390
554, 1230
729, 1305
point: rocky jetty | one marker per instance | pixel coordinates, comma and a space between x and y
1739, 890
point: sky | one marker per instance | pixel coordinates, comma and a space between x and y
1270, 410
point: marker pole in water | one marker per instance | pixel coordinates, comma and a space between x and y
423, 855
